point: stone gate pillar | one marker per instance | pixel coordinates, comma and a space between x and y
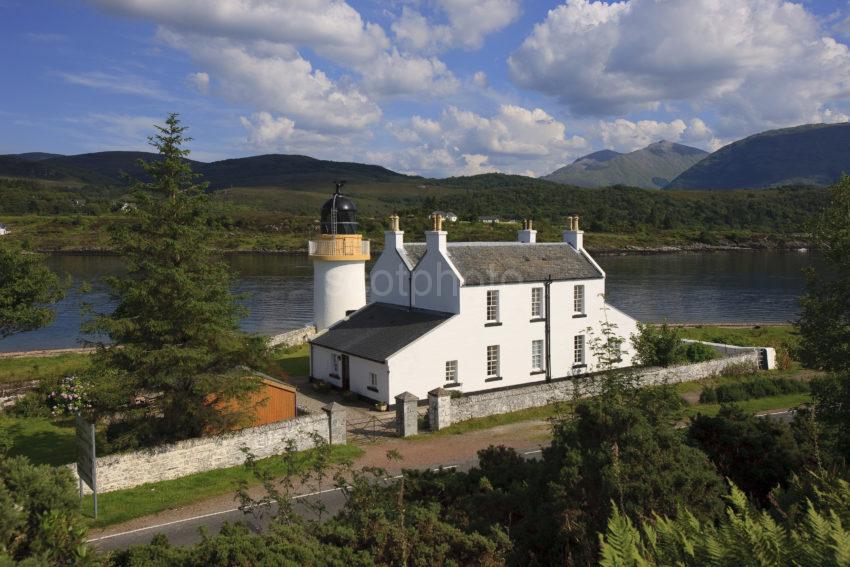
407, 414
439, 409
337, 430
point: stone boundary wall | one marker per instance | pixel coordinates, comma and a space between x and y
294, 337
469, 406
166, 462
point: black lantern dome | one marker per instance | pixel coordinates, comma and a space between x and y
339, 214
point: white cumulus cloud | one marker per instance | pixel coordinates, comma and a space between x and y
468, 24
277, 79
199, 81
461, 142
756, 63
330, 27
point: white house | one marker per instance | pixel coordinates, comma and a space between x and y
3, 230
471, 316
448, 216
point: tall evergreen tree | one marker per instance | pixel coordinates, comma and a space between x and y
174, 334
27, 286
824, 324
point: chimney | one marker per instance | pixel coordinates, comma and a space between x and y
435, 239
573, 236
393, 237
527, 235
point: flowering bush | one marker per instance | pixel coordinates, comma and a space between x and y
69, 397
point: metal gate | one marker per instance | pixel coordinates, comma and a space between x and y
371, 429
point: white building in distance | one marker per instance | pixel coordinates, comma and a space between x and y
3, 230
470, 316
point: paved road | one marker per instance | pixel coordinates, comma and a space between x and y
186, 531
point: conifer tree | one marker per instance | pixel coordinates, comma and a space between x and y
824, 324
27, 286
175, 337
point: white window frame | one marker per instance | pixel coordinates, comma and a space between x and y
335, 363
373, 379
536, 302
579, 354
493, 361
492, 305
537, 354
578, 299
451, 372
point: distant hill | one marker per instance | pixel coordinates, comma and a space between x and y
651, 167
106, 168
34, 156
291, 170
814, 154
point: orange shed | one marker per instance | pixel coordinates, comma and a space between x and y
274, 401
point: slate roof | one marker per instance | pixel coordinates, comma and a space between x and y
379, 330
488, 263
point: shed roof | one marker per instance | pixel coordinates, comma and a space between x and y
379, 330
489, 263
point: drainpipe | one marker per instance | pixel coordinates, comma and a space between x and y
547, 327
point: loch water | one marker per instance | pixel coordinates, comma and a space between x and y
705, 287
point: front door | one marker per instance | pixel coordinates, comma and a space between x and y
346, 377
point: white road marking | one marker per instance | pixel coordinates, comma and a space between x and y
211, 514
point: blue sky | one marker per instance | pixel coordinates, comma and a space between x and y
439, 87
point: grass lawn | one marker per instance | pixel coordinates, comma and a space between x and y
41, 439
776, 336
784, 401
293, 361
123, 505
540, 413
14, 369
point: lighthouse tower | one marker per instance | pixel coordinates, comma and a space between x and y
339, 262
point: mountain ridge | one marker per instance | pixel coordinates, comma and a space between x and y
810, 154
651, 167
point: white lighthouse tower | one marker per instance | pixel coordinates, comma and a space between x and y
339, 262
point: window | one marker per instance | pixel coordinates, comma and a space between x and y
492, 305
536, 302
492, 361
537, 355
578, 349
578, 299
451, 371
373, 379
335, 363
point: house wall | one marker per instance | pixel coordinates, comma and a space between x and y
420, 366
435, 282
390, 278
321, 365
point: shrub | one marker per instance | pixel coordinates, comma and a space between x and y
32, 404
739, 370
759, 387
658, 346
698, 352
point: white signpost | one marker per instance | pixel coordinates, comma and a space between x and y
87, 458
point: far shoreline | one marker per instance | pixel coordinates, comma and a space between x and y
694, 248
